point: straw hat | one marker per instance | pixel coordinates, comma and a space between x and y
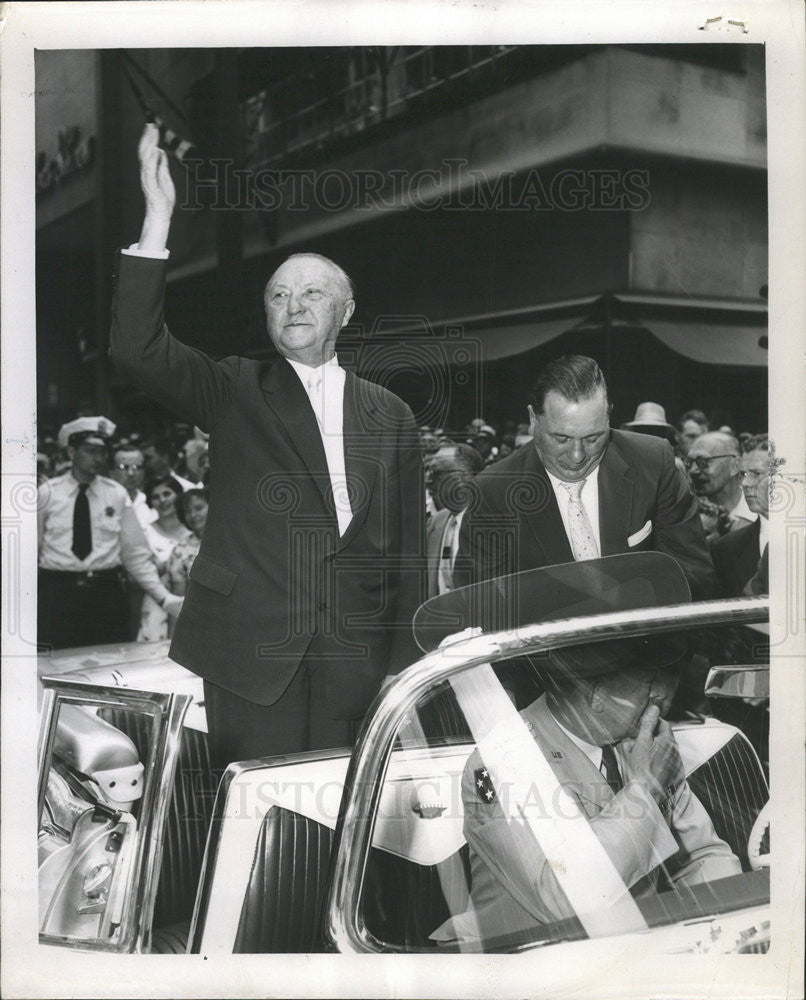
650, 418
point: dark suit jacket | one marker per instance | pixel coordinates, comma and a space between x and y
273, 582
434, 533
736, 559
644, 503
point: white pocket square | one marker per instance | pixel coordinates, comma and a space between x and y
640, 535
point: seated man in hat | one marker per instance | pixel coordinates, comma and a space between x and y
614, 761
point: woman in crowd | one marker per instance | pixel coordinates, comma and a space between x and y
192, 509
162, 495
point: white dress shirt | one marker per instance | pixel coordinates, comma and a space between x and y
590, 501
328, 408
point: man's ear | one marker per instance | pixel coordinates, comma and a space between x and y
349, 307
532, 419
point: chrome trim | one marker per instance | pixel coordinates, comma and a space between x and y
343, 927
168, 711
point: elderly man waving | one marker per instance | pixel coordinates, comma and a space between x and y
302, 594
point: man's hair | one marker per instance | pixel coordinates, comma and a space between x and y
730, 442
697, 416
463, 454
756, 442
344, 278
573, 376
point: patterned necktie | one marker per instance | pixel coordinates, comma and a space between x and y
82, 530
446, 556
583, 542
611, 771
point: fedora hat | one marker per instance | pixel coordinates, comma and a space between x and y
650, 418
622, 582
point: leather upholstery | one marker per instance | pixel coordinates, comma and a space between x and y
282, 905
732, 788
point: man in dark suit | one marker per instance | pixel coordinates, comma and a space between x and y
451, 471
581, 490
740, 557
302, 595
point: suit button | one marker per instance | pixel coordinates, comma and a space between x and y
323, 606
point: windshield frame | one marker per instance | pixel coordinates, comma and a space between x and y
343, 925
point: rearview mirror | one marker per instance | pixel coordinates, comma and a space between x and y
744, 680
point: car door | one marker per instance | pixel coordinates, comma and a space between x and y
107, 758
452, 734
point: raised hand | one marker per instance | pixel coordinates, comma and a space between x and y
158, 190
652, 758
155, 175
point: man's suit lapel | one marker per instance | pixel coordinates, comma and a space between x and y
288, 400
571, 766
616, 486
361, 445
747, 553
435, 531
544, 521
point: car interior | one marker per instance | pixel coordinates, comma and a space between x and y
417, 873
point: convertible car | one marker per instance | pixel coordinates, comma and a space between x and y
141, 849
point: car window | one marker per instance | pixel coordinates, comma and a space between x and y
499, 826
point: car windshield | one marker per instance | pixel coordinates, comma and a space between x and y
583, 791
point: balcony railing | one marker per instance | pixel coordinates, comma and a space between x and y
278, 123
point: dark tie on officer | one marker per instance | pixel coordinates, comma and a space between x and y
82, 529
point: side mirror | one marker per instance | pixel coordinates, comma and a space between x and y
750, 681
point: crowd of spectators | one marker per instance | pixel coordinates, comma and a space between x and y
165, 475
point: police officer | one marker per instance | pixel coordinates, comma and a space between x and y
88, 534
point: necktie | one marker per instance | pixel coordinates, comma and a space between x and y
315, 395
446, 556
82, 530
583, 543
611, 771
330, 430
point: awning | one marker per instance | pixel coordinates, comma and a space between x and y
713, 343
505, 341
